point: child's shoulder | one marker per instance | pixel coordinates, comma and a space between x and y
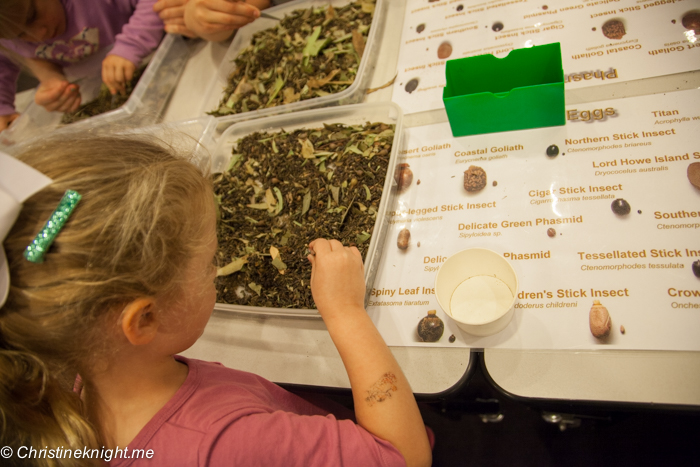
213, 376
211, 385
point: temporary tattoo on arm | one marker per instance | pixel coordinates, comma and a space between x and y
382, 389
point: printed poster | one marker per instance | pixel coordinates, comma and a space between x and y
605, 208
603, 41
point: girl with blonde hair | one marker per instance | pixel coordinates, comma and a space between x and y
102, 298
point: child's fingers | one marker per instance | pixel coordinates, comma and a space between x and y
356, 252
312, 260
68, 100
179, 29
217, 21
47, 95
115, 72
167, 5
320, 246
336, 245
128, 75
119, 79
109, 79
63, 101
174, 21
219, 15
76, 104
236, 8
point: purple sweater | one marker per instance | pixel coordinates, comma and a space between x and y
225, 417
131, 25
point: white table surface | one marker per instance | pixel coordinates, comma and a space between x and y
299, 351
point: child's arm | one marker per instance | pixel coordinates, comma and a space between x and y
384, 402
138, 38
216, 20
9, 72
54, 93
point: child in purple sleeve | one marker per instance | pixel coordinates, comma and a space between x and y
47, 35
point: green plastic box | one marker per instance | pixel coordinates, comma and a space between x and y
486, 94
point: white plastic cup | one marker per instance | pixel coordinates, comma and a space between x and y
477, 288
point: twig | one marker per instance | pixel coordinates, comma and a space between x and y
370, 91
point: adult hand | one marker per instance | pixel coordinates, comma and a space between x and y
215, 20
6, 120
116, 72
172, 12
337, 277
58, 95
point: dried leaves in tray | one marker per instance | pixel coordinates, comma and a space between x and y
104, 102
282, 190
311, 53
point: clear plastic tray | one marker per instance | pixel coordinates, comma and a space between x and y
384, 112
353, 94
143, 107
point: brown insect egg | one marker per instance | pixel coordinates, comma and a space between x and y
404, 239
445, 50
403, 176
599, 320
431, 327
474, 179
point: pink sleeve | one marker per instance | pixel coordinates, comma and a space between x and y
141, 35
8, 85
284, 438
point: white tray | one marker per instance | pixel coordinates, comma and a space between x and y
143, 107
351, 95
384, 112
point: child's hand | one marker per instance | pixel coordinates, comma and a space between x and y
172, 12
337, 277
58, 95
116, 72
215, 20
6, 120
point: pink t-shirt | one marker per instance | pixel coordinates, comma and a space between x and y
225, 417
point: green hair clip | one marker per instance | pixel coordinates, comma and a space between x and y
37, 249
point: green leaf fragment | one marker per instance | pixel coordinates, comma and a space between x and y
234, 266
279, 264
313, 44
285, 238
307, 149
335, 192
233, 162
306, 203
362, 237
280, 200
386, 134
354, 149
279, 84
255, 288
